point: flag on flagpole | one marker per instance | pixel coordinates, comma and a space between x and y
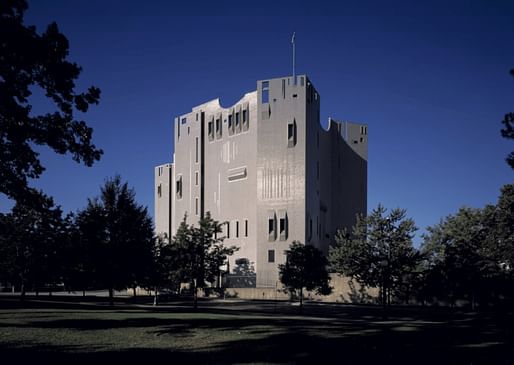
292, 38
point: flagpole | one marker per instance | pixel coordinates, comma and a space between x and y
294, 59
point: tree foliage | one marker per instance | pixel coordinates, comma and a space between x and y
201, 253
305, 268
508, 130
31, 60
378, 252
31, 246
470, 255
117, 235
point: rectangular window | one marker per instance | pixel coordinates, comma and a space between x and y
272, 226
265, 92
211, 130
196, 150
218, 127
184, 120
283, 88
228, 229
197, 117
246, 117
237, 229
231, 123
283, 225
159, 191
196, 177
271, 255
238, 124
246, 227
196, 206
291, 134
178, 187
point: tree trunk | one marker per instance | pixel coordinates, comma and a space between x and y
155, 297
22, 289
83, 293
134, 291
111, 297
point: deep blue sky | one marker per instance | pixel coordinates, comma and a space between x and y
431, 82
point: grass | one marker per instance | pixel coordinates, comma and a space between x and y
251, 332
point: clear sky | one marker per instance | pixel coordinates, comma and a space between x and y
431, 81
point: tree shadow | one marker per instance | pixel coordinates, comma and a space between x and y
346, 333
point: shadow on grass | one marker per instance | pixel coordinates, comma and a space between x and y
344, 335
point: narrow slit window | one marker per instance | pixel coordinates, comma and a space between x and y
283, 225
271, 255
178, 187
265, 92
231, 123
159, 191
196, 150
272, 226
246, 117
238, 122
196, 178
196, 206
228, 229
291, 134
218, 127
237, 229
246, 227
210, 130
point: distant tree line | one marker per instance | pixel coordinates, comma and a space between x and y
467, 257
110, 244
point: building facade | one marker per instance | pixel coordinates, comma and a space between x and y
267, 168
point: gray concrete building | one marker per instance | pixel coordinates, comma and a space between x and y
268, 168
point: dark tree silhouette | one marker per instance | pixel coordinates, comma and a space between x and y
201, 253
508, 130
470, 255
29, 59
118, 234
31, 246
379, 252
305, 268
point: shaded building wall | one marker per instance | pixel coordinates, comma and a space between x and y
163, 177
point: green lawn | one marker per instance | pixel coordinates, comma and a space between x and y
252, 332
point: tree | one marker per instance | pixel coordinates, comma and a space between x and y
470, 255
378, 253
29, 59
305, 268
165, 272
30, 246
508, 130
201, 253
119, 237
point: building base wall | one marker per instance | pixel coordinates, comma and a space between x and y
344, 290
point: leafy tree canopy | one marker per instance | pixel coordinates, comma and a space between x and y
27, 60
305, 267
378, 252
